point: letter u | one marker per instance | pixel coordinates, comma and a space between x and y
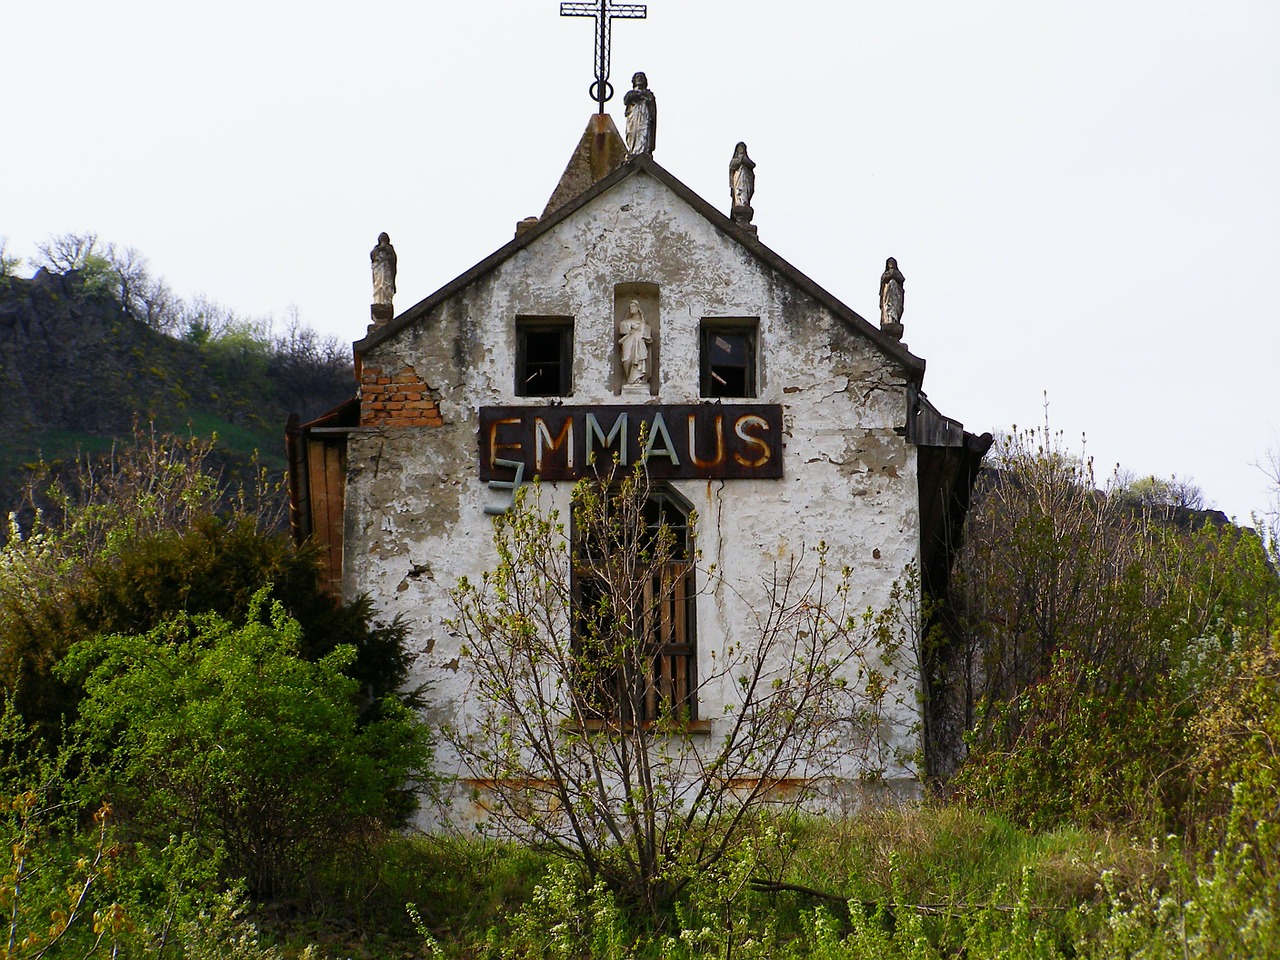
693, 443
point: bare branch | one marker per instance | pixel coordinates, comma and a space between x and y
585, 723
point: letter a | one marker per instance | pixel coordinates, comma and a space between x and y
659, 429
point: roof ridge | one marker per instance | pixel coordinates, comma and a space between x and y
747, 238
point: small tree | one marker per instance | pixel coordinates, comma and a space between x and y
65, 252
9, 265
1164, 497
591, 753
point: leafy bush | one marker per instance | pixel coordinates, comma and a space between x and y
1236, 761
1091, 755
70, 886
227, 734
149, 532
1091, 632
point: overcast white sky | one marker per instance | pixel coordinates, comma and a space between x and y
1084, 195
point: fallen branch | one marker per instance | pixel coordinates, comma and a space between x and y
871, 906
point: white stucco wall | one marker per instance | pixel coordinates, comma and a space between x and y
415, 518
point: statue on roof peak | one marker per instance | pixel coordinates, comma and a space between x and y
892, 298
383, 261
742, 184
642, 117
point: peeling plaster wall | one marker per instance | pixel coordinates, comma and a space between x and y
415, 518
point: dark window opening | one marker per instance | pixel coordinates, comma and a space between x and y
544, 358
728, 361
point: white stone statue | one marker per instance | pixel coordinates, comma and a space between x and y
642, 116
742, 178
892, 296
383, 257
634, 336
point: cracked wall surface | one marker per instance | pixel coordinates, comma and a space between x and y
415, 519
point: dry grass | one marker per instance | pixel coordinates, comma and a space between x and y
952, 855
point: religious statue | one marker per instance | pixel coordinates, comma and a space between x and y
742, 184
891, 297
633, 342
642, 116
383, 257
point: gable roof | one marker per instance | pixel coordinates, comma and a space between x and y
913, 365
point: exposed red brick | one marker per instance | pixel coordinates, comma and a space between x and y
399, 400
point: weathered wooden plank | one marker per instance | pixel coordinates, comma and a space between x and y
335, 483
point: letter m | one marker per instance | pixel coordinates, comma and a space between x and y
617, 434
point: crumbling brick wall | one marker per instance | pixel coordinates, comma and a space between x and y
398, 399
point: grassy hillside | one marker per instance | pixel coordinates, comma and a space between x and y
77, 369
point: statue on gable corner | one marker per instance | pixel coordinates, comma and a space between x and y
383, 259
742, 184
634, 336
892, 297
642, 117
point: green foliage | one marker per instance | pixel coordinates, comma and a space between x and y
225, 733
70, 886
1090, 756
49, 878
566, 918
950, 854
133, 540
925, 883
124, 332
1157, 493
922, 883
1224, 904
9, 265
1092, 634
154, 482
1236, 758
268, 746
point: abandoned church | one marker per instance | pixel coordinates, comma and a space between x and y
635, 323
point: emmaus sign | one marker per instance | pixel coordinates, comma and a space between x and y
694, 441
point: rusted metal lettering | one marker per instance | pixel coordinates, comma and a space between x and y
618, 430
675, 441
693, 443
658, 431
541, 434
494, 446
753, 440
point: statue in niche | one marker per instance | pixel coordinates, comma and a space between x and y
892, 296
742, 183
642, 117
383, 257
634, 336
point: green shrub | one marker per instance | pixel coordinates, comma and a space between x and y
227, 734
212, 565
70, 887
1091, 631
1075, 750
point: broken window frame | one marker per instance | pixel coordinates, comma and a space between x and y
562, 365
715, 381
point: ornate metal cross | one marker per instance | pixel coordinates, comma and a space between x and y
605, 13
